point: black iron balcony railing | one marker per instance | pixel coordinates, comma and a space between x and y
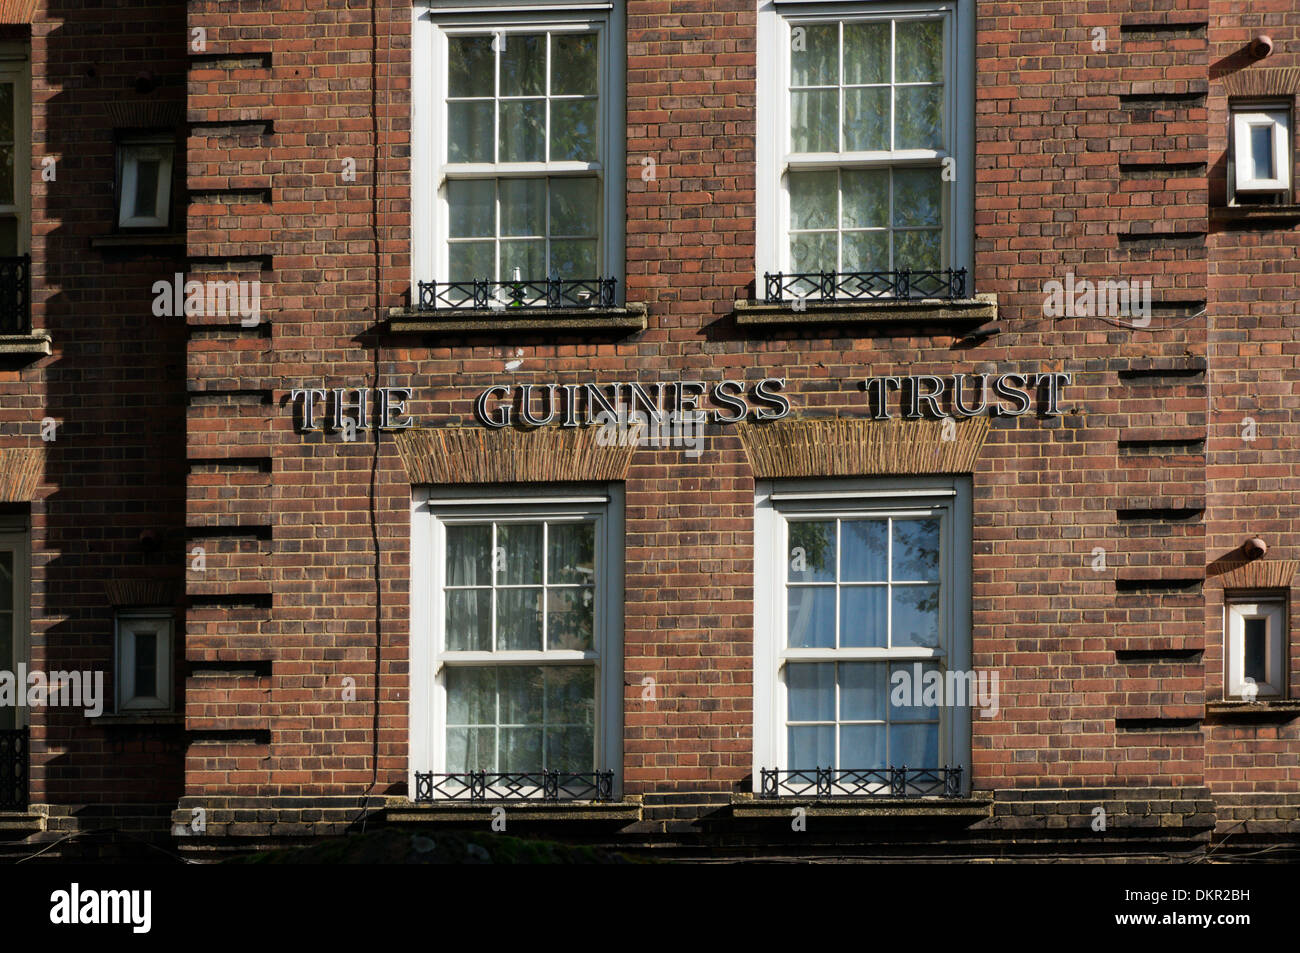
855, 782
13, 769
859, 285
16, 295
524, 785
482, 294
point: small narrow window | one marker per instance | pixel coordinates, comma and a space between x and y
1255, 640
144, 661
144, 182
1261, 152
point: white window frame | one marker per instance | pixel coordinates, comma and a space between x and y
773, 159
1278, 119
130, 623
14, 539
432, 23
15, 67
432, 508
773, 499
1272, 609
131, 148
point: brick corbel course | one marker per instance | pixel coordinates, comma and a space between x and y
20, 473
1263, 82
855, 447
1257, 574
471, 455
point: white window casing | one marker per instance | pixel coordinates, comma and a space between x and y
1249, 622
134, 153
136, 631
1261, 150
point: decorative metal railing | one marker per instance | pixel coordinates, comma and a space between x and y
855, 782
858, 285
16, 295
13, 769
482, 294
506, 786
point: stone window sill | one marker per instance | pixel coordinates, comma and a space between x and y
1256, 213
626, 811
36, 344
974, 807
951, 311
1233, 708
135, 719
618, 321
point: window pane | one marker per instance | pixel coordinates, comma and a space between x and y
812, 551
916, 616
1256, 650
469, 132
6, 584
866, 550
811, 748
814, 55
519, 554
865, 198
469, 66
920, 251
866, 53
814, 118
907, 694
523, 207
573, 130
864, 619
570, 616
146, 188
916, 550
570, 695
814, 251
472, 208
523, 64
523, 130
862, 747
471, 749
469, 620
918, 197
521, 694
471, 696
914, 746
811, 617
812, 200
866, 251
467, 261
6, 174
146, 665
469, 555
574, 259
519, 620
6, 112
920, 51
810, 689
8, 235
8, 663
1261, 150
575, 203
866, 119
528, 257
918, 120
864, 691
571, 552
570, 749
573, 64
521, 749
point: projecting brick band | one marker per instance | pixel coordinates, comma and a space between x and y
470, 455
846, 447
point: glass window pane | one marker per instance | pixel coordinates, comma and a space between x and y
472, 208
575, 204
862, 747
471, 749
574, 259
467, 261
866, 119
812, 199
916, 616
523, 64
146, 665
8, 233
519, 620
570, 749
521, 694
523, 207
811, 617
1261, 150
570, 617
907, 696
920, 51
919, 250
146, 188
814, 251
864, 619
471, 696
6, 174
573, 64
918, 197
519, 554
573, 130
6, 583
528, 258
469, 132
914, 746
811, 747
865, 201
812, 550
810, 689
866, 251
814, 120
470, 69
469, 620
1256, 650
521, 749
571, 552
814, 54
866, 550
866, 53
864, 690
570, 695
916, 550
523, 130
469, 555
8, 713
918, 119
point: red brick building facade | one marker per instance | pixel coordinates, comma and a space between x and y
413, 254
